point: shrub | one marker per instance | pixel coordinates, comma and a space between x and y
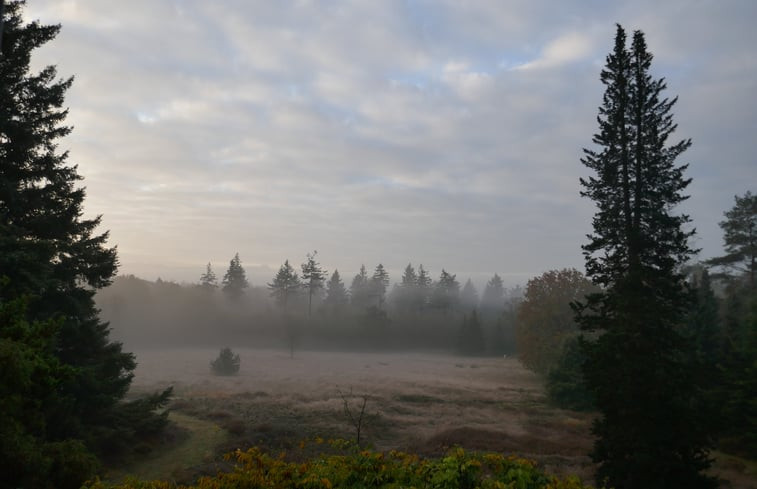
227, 363
355, 468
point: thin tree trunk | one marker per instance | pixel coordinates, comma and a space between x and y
2, 23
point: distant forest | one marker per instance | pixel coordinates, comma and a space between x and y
308, 308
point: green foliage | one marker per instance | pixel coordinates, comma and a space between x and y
740, 238
352, 468
545, 319
30, 377
652, 432
227, 363
68, 379
738, 376
566, 386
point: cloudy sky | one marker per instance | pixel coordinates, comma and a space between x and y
439, 132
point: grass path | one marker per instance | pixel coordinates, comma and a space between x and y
166, 462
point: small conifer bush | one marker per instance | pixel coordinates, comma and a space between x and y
227, 363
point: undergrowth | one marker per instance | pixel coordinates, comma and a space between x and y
347, 466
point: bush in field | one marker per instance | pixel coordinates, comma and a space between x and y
227, 363
352, 467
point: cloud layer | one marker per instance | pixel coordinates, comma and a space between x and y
447, 133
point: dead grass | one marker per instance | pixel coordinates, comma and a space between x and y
420, 402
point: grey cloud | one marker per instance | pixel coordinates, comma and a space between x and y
377, 131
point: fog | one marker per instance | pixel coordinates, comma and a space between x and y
146, 314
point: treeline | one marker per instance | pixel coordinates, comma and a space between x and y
719, 329
310, 308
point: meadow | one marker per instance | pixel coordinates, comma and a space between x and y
418, 402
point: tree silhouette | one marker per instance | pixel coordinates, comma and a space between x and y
651, 432
285, 286
235, 279
740, 238
312, 278
208, 279
56, 260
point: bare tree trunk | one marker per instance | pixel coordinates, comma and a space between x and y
2, 23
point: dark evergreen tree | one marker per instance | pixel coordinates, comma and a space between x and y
470, 340
312, 278
360, 292
702, 325
424, 287
651, 432
406, 296
378, 285
208, 279
494, 294
446, 294
29, 380
469, 296
566, 386
740, 238
49, 252
286, 286
336, 293
235, 279
493, 299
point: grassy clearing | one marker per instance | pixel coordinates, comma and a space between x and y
171, 462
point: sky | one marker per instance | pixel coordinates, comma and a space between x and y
446, 132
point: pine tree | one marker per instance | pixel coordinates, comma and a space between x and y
446, 294
650, 433
379, 283
469, 296
336, 293
312, 278
360, 293
740, 238
235, 279
424, 287
208, 279
286, 286
470, 340
406, 295
493, 298
48, 251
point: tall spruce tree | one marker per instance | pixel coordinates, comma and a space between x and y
208, 279
469, 296
379, 283
424, 287
336, 293
235, 279
312, 278
53, 256
360, 292
285, 286
651, 433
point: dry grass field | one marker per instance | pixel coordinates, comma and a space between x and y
415, 401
